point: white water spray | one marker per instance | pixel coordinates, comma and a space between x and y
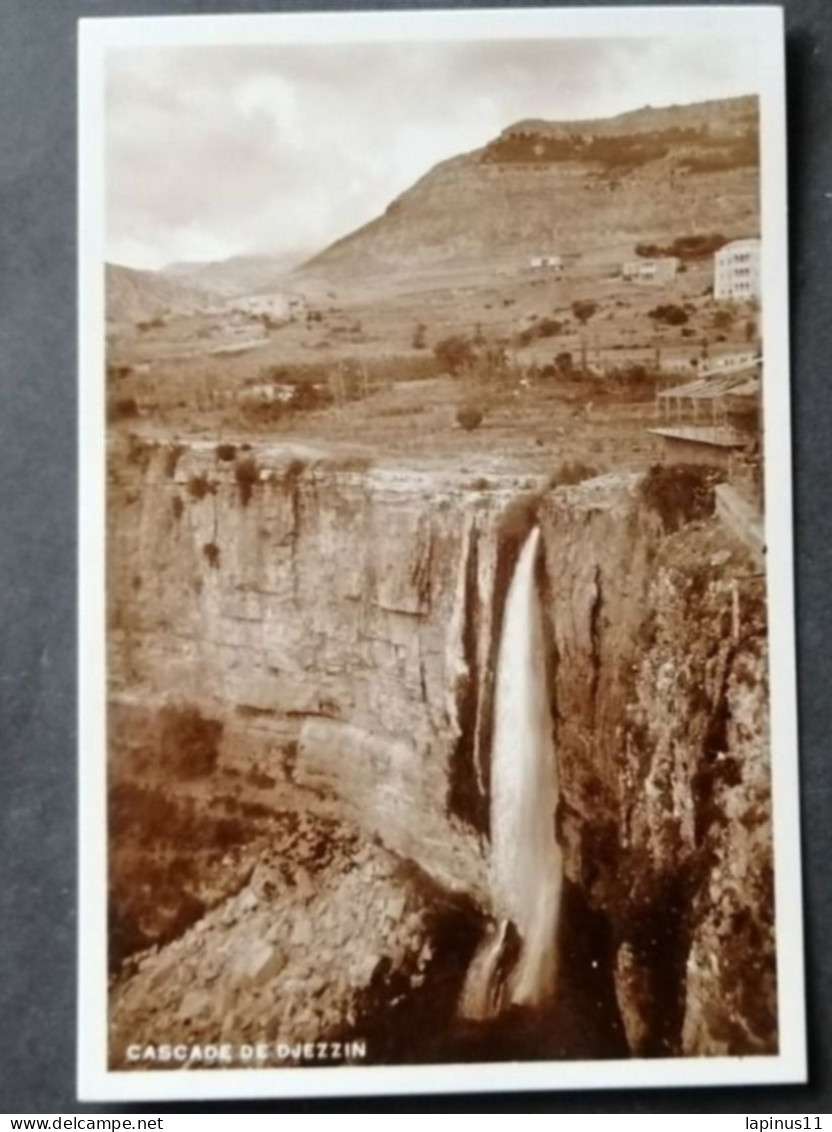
484, 992
526, 866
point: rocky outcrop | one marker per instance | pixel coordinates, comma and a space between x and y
341, 622
285, 971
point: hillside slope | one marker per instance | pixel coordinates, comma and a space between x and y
569, 187
238, 275
133, 295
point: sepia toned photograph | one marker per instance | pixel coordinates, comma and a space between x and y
437, 664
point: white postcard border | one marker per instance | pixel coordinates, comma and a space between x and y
96, 36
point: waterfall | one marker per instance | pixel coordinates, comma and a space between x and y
525, 857
525, 864
484, 992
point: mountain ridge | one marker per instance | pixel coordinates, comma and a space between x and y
566, 186
244, 274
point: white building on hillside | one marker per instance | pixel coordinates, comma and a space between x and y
546, 263
733, 360
277, 305
657, 270
737, 270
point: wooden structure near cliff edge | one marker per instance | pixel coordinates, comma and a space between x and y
715, 419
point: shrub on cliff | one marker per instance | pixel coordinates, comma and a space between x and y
247, 475
122, 409
200, 486
211, 553
187, 743
679, 493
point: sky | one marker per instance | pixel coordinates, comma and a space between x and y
279, 150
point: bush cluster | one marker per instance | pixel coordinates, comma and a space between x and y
685, 247
679, 493
469, 417
545, 328
669, 313
455, 353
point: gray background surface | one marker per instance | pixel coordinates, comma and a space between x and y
38, 565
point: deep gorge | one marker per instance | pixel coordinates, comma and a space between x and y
339, 623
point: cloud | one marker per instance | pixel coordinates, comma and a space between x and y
272, 101
217, 151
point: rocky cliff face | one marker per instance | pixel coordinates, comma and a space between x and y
341, 622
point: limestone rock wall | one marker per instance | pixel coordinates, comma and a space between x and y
662, 737
328, 604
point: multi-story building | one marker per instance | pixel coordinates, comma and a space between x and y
737, 271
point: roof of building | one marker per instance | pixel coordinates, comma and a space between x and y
749, 388
718, 436
745, 241
718, 383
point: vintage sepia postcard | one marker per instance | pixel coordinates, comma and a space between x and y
437, 708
